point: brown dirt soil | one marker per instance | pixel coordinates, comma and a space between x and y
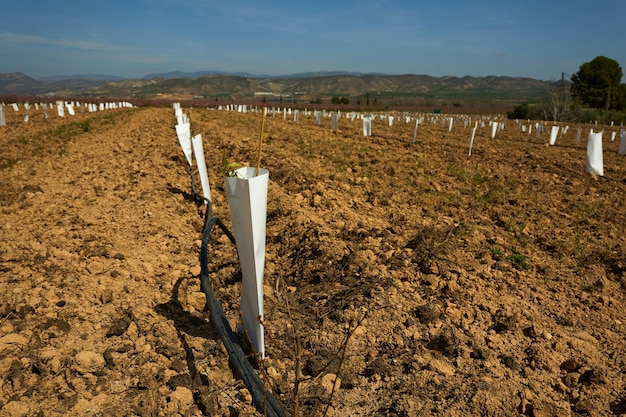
488, 285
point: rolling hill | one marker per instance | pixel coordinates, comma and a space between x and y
371, 89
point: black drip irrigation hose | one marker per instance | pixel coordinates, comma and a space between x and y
264, 400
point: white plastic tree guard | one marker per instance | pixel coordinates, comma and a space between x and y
595, 164
247, 199
622, 143
553, 134
471, 142
183, 131
198, 151
367, 126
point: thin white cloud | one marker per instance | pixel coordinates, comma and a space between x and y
105, 51
19, 39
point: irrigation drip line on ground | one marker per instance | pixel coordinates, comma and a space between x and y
264, 400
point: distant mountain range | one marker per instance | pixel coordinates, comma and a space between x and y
313, 86
179, 74
93, 77
16, 83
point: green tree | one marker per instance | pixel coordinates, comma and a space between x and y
619, 98
596, 82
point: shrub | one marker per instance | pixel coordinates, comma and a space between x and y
526, 111
338, 100
588, 115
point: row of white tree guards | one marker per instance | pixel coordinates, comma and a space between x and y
61, 108
495, 123
246, 192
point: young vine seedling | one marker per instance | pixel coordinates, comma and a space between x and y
229, 168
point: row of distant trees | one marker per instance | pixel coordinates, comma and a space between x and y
596, 92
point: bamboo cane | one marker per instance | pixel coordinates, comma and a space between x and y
258, 157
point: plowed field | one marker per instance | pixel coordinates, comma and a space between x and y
417, 280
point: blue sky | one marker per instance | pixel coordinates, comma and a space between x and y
132, 38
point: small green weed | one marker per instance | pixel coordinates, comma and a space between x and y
457, 172
519, 260
69, 131
496, 254
8, 162
85, 126
480, 178
487, 198
305, 148
108, 119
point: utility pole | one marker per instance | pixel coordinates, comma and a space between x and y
562, 86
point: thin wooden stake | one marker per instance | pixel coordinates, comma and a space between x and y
258, 157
